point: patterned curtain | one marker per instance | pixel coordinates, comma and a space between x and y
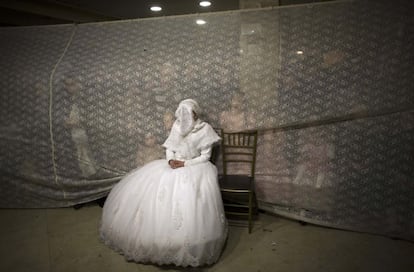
329, 86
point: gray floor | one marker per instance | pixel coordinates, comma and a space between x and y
67, 240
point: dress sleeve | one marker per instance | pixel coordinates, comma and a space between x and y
204, 156
169, 155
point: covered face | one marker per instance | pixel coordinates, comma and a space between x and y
185, 115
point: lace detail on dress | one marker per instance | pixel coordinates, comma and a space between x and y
161, 194
222, 218
177, 216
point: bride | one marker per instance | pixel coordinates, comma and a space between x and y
170, 211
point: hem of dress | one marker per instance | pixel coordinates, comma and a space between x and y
129, 258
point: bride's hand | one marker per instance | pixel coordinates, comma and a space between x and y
176, 164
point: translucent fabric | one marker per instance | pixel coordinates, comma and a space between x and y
328, 85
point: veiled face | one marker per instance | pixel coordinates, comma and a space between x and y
185, 119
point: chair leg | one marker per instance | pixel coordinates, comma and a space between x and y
250, 211
255, 205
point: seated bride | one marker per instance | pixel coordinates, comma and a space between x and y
170, 211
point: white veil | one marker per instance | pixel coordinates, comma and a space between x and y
185, 120
202, 134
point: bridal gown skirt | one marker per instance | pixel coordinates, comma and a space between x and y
166, 216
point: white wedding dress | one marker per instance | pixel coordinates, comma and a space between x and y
161, 215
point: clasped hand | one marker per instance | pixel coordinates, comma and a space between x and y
175, 164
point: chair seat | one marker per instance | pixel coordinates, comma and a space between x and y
235, 183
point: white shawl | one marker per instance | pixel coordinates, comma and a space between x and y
189, 146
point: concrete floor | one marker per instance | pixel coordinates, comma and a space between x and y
67, 240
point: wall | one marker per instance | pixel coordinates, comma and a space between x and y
81, 105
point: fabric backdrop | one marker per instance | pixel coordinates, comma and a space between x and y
329, 86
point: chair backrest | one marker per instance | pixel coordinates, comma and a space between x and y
239, 148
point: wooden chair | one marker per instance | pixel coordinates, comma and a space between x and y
237, 183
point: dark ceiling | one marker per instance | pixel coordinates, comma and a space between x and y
41, 12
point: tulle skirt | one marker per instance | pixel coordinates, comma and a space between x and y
166, 216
